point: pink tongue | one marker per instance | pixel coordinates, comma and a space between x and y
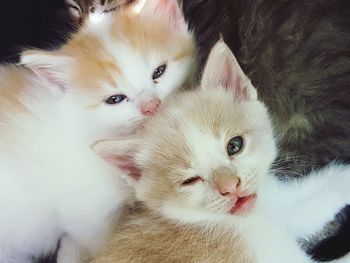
243, 204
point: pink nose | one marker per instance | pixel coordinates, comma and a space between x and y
151, 107
226, 182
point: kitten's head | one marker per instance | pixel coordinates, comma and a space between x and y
203, 156
121, 65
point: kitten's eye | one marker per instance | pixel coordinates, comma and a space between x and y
234, 145
192, 180
115, 99
159, 72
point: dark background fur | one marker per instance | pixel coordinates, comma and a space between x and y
297, 54
42, 24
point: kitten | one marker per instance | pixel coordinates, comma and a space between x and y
120, 61
206, 185
296, 54
103, 83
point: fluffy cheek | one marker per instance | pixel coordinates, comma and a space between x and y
205, 199
217, 204
192, 196
185, 198
118, 119
176, 74
250, 179
191, 206
252, 169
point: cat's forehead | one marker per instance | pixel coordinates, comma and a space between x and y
107, 64
219, 113
124, 52
198, 124
147, 34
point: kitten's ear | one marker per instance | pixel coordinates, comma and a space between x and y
223, 70
166, 11
49, 66
120, 154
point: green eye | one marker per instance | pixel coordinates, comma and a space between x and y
234, 145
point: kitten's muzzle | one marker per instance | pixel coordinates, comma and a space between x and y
228, 185
243, 205
151, 107
226, 182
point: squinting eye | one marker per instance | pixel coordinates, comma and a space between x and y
192, 180
159, 72
115, 99
234, 145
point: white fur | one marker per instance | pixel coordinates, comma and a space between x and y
69, 251
51, 182
302, 208
284, 211
307, 204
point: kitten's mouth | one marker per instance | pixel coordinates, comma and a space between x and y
243, 205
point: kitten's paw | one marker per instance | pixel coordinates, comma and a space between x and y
69, 252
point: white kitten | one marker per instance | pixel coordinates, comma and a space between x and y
102, 83
205, 162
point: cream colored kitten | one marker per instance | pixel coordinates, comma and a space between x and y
103, 83
148, 237
205, 185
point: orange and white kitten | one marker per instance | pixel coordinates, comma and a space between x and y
56, 104
205, 182
121, 65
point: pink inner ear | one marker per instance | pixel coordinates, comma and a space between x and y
51, 79
167, 10
231, 78
228, 78
125, 163
172, 7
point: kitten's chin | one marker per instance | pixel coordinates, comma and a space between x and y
243, 205
189, 216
